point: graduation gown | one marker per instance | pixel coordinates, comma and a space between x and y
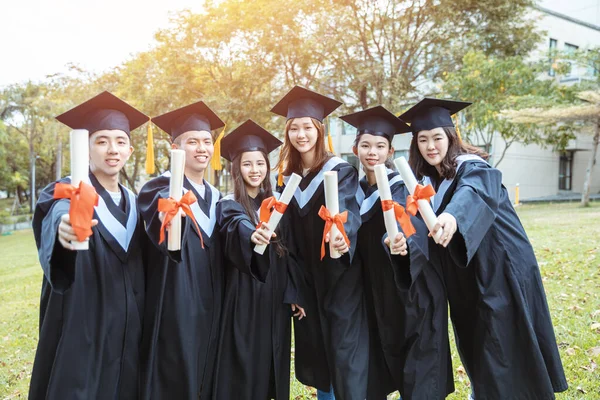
91, 304
255, 338
184, 292
497, 301
406, 304
332, 341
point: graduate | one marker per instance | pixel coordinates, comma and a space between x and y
92, 300
405, 295
332, 342
254, 347
497, 302
185, 287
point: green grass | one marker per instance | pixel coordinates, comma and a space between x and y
566, 239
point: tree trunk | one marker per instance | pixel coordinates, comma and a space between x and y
587, 185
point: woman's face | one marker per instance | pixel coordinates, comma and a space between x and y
372, 150
303, 134
253, 168
433, 145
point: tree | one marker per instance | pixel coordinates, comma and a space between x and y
494, 84
586, 112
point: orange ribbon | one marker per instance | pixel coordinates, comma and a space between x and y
171, 207
338, 220
421, 193
401, 216
267, 207
81, 211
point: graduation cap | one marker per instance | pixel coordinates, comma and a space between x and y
300, 102
105, 111
249, 136
432, 113
193, 117
377, 121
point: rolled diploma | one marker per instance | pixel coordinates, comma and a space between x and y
424, 207
175, 192
286, 196
80, 166
389, 217
333, 205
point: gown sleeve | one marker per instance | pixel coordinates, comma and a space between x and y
236, 229
474, 204
57, 262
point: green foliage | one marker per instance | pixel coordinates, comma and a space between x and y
494, 84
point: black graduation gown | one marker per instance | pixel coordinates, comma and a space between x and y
255, 338
406, 304
184, 292
91, 303
497, 301
332, 342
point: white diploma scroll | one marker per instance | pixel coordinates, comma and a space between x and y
332, 203
176, 192
424, 207
80, 166
389, 217
286, 197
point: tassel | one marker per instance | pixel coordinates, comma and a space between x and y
280, 170
215, 162
455, 120
150, 167
329, 139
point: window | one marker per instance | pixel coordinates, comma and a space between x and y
564, 170
351, 159
570, 50
552, 50
593, 63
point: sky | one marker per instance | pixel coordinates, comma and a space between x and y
41, 37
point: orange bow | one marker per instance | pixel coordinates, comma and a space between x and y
266, 209
421, 193
171, 207
81, 211
338, 220
401, 216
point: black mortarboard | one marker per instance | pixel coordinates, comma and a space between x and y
301, 102
249, 136
376, 121
193, 117
105, 111
432, 113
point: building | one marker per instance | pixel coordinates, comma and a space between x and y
538, 171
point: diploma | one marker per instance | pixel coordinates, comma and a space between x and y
389, 216
80, 166
333, 205
286, 197
424, 207
175, 192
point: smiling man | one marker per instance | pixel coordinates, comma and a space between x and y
91, 303
184, 287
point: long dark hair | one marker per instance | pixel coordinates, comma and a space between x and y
456, 147
240, 194
289, 158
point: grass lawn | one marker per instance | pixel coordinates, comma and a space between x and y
566, 239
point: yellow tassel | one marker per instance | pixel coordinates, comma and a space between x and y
455, 120
280, 170
150, 167
215, 162
329, 139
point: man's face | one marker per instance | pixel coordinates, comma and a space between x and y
109, 151
198, 147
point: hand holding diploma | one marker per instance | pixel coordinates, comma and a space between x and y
419, 198
75, 230
271, 211
446, 223
398, 246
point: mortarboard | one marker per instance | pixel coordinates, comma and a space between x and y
376, 121
193, 117
300, 102
249, 136
432, 113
